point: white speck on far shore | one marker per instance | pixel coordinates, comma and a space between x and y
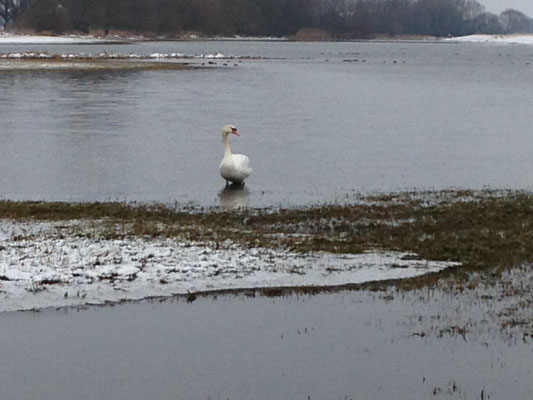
40, 268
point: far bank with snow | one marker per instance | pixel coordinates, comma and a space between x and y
499, 39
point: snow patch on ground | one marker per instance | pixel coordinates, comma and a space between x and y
500, 39
7, 38
41, 267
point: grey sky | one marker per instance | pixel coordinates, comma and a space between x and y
497, 6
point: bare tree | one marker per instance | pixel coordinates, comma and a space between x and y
341, 18
487, 23
6, 11
47, 15
514, 21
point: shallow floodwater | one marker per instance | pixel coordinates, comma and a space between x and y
319, 121
353, 345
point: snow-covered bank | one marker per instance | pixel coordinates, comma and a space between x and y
500, 39
40, 267
8, 38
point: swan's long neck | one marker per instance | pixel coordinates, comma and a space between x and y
227, 149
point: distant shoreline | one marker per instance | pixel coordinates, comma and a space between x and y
14, 39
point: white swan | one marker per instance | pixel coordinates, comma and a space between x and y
234, 168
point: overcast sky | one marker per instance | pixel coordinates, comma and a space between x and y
497, 6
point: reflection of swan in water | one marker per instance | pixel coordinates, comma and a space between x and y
234, 196
234, 168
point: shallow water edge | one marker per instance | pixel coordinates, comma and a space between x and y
345, 345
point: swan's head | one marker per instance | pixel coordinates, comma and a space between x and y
229, 129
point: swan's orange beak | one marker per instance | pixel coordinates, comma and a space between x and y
234, 131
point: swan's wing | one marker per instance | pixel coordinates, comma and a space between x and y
242, 165
241, 161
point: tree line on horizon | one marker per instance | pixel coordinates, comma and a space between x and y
278, 18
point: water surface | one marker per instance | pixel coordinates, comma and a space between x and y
331, 346
319, 121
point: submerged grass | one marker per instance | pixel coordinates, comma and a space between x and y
53, 64
481, 230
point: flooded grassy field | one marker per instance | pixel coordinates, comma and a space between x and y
448, 235
344, 269
464, 333
476, 228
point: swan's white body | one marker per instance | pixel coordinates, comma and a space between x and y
234, 168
